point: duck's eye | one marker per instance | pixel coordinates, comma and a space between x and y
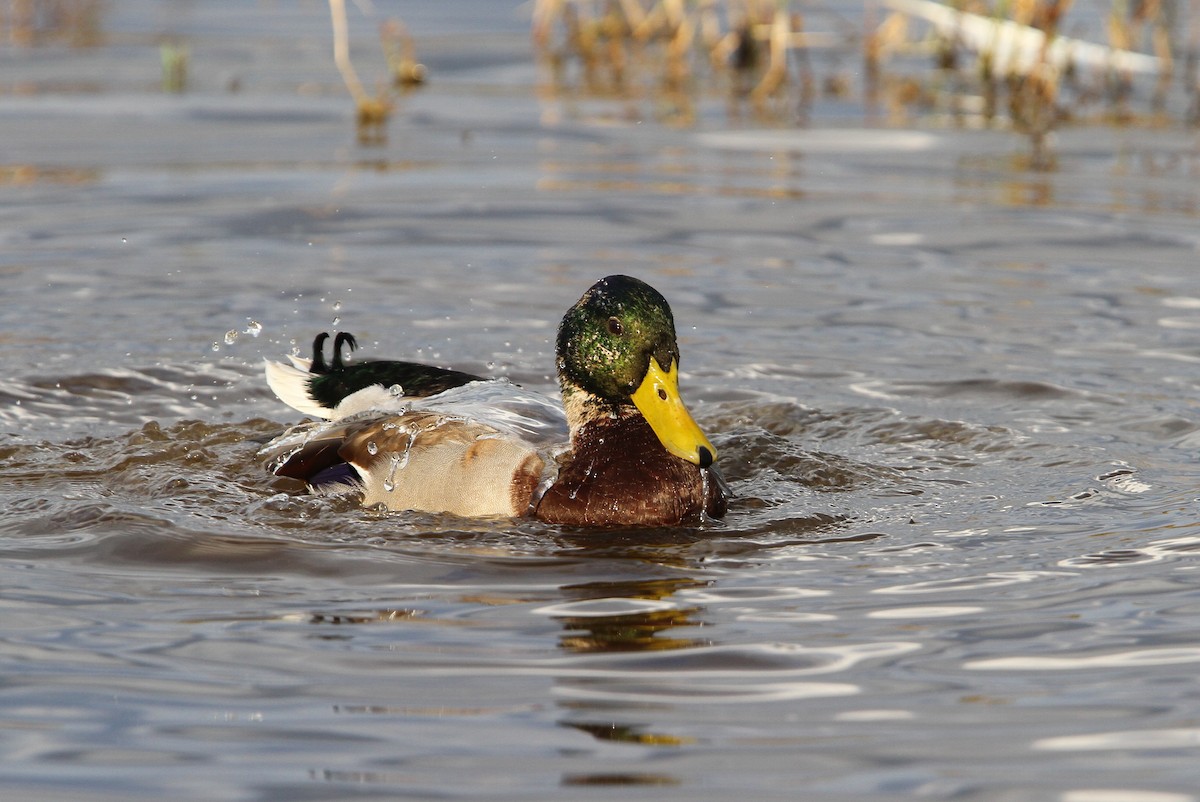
615, 328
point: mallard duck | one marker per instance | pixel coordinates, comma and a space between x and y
621, 449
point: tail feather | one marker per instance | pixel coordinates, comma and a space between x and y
291, 384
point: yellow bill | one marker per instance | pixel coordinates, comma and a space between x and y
658, 399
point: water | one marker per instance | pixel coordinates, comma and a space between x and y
956, 401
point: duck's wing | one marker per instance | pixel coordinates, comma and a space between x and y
434, 463
508, 408
309, 452
479, 449
415, 461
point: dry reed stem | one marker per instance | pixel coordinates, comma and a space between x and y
372, 113
778, 43
341, 52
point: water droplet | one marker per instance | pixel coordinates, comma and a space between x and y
372, 448
216, 346
231, 337
336, 320
337, 306
254, 328
401, 460
124, 241
396, 390
398, 462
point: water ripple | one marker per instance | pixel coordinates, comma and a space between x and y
605, 608
930, 611
1158, 551
1123, 795
768, 662
1137, 657
991, 580
1176, 738
750, 594
658, 693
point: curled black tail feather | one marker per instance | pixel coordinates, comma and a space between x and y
342, 338
318, 365
318, 354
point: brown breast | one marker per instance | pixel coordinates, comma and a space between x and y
620, 474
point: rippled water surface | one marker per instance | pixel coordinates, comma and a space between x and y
957, 403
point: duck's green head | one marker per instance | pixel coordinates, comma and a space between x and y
617, 345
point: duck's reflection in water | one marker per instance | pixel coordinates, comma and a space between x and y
624, 617
628, 616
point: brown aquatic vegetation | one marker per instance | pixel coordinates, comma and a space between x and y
1007, 64
372, 112
33, 22
670, 51
401, 54
995, 63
